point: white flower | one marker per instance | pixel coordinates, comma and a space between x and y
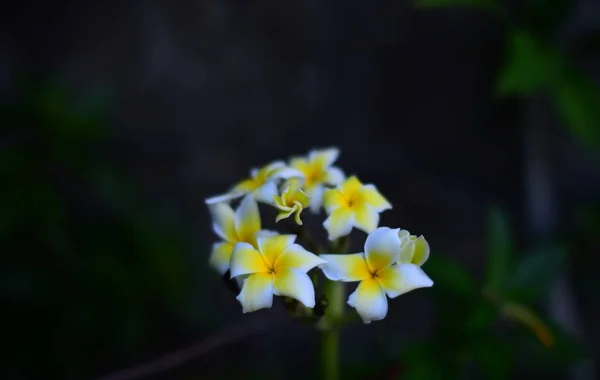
318, 172
415, 250
278, 267
292, 201
353, 204
377, 272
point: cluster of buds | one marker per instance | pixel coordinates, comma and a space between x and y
264, 263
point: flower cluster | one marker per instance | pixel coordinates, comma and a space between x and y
266, 263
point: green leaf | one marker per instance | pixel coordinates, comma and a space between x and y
499, 250
480, 318
531, 65
577, 100
421, 361
536, 271
493, 357
489, 5
450, 277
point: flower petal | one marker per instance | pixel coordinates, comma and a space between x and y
347, 268
372, 196
224, 197
339, 223
287, 173
382, 247
334, 176
285, 214
316, 198
295, 256
369, 300
407, 251
266, 192
273, 246
299, 163
247, 219
350, 186
296, 284
333, 199
366, 218
421, 253
245, 259
266, 233
403, 278
224, 221
257, 292
220, 256
323, 157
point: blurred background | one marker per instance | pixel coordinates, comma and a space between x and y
479, 120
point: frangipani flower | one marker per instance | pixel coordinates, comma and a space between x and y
262, 183
243, 225
352, 204
317, 173
415, 250
278, 267
292, 200
377, 272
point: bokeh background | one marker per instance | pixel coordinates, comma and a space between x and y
479, 120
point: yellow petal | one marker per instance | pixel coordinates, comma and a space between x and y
298, 210
333, 199
220, 256
245, 260
246, 186
407, 251
339, 223
369, 300
382, 247
295, 256
224, 221
247, 219
402, 278
300, 164
273, 246
284, 214
257, 292
347, 268
372, 196
421, 253
366, 218
296, 284
350, 187
323, 158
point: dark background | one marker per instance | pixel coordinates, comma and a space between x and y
121, 117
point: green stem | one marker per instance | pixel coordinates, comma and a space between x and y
330, 339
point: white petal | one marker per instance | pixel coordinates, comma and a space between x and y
347, 268
316, 198
339, 223
366, 218
407, 251
220, 257
295, 256
296, 284
223, 221
403, 278
334, 176
257, 292
224, 197
382, 248
266, 192
247, 219
369, 300
266, 233
245, 259
326, 156
288, 173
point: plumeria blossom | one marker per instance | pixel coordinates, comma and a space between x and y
291, 201
262, 183
243, 225
415, 250
352, 204
277, 266
378, 272
318, 172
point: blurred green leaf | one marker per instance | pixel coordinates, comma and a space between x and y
531, 65
450, 277
493, 357
536, 271
577, 99
422, 362
481, 318
490, 5
499, 250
